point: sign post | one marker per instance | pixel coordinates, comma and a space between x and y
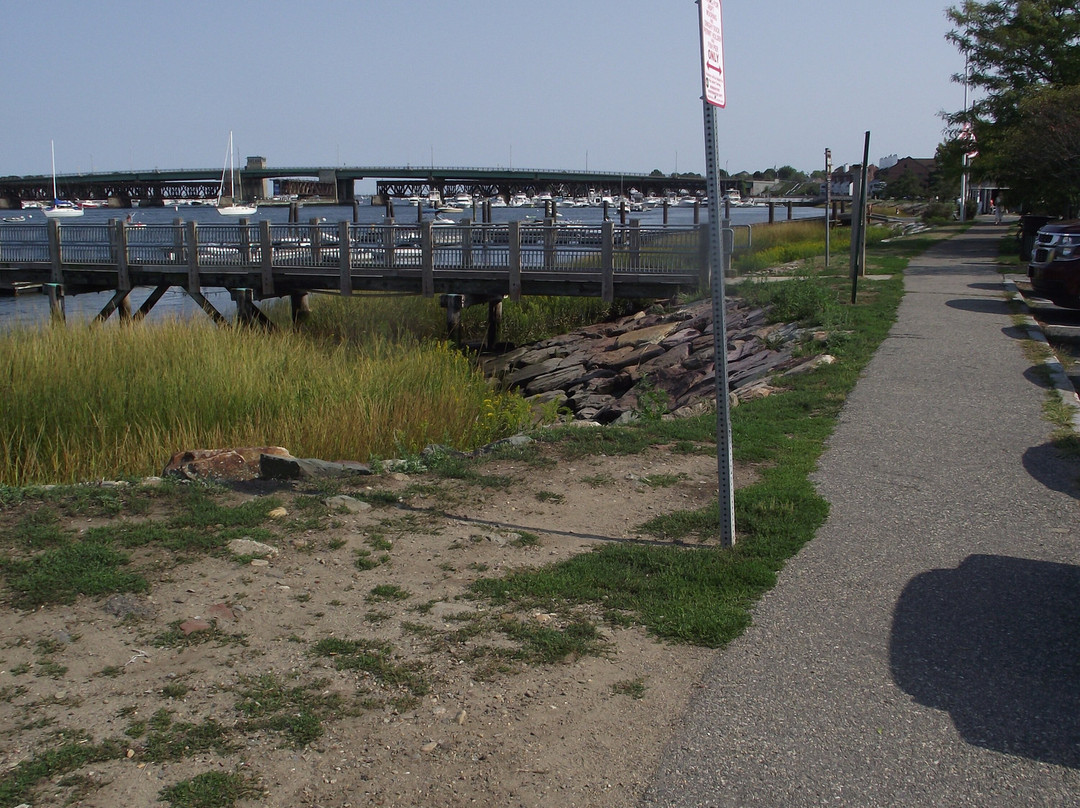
714, 96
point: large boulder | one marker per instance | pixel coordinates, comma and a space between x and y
225, 464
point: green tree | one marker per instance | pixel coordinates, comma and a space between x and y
1042, 149
906, 186
1013, 49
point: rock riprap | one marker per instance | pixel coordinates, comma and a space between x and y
610, 371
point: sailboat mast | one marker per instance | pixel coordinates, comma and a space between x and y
52, 150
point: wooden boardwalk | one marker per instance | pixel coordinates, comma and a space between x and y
475, 262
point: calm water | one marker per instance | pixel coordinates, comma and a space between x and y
33, 308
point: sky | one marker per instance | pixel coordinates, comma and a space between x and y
605, 85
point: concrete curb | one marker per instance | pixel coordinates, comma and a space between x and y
1058, 377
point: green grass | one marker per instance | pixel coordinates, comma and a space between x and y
209, 790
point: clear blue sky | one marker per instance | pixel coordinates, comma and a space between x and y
610, 85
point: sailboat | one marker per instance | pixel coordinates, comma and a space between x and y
60, 208
234, 208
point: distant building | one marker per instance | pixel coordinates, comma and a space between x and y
920, 169
845, 179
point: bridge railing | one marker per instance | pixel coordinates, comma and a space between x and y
516, 247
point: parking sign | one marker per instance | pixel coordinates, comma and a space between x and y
712, 53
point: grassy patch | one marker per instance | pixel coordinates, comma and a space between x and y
376, 659
16, 784
209, 790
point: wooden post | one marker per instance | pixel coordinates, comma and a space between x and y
245, 243
772, 212
55, 291
345, 258
454, 305
192, 247
123, 275
514, 239
607, 262
356, 211
301, 307
494, 323
697, 211
666, 205
294, 213
549, 244
266, 259
316, 242
388, 244
635, 243
466, 243
57, 274
178, 241
427, 260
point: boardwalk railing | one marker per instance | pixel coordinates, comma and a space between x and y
605, 260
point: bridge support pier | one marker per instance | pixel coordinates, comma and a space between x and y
301, 307
55, 292
248, 312
119, 302
455, 304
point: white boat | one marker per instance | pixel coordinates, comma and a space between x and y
60, 208
233, 208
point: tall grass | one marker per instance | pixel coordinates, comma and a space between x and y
83, 403
362, 318
787, 241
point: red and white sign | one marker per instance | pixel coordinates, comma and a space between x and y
712, 53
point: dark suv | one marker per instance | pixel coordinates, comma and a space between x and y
1055, 263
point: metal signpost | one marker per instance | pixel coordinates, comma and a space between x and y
713, 96
828, 202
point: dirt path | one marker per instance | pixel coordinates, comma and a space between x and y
443, 719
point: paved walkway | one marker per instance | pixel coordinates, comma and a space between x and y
924, 649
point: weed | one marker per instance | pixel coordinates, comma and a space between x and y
209, 790
662, 480
634, 688
174, 740
60, 574
175, 690
598, 480
550, 496
525, 539
375, 658
384, 592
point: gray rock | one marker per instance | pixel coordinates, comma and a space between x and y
273, 467
351, 504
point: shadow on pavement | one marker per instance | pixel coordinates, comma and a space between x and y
996, 643
983, 305
1044, 464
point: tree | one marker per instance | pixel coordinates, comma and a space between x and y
1013, 49
906, 186
1042, 149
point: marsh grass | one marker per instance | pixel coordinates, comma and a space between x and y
363, 319
86, 403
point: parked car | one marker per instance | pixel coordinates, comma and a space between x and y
1055, 263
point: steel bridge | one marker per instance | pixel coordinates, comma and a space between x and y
337, 183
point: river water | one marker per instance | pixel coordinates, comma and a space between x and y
30, 309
